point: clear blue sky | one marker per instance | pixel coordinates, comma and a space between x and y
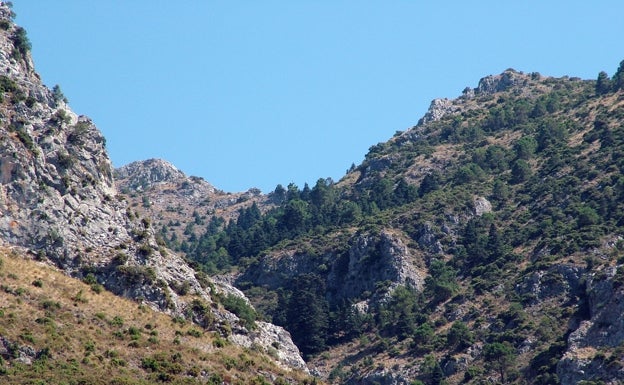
256, 93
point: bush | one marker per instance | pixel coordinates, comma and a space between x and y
57, 94
145, 250
21, 44
117, 321
120, 258
182, 288
459, 337
90, 279
26, 139
60, 118
239, 306
137, 274
7, 84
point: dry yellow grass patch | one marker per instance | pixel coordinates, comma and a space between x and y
102, 338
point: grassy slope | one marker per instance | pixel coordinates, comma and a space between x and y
79, 336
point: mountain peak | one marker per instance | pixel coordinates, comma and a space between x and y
501, 82
146, 173
529, 85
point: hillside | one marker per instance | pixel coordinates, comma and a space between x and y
59, 204
482, 245
59, 330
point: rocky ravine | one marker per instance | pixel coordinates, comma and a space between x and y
58, 199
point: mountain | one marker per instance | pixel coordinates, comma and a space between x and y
483, 245
59, 204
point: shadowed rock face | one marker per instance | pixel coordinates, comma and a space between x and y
372, 258
58, 200
603, 329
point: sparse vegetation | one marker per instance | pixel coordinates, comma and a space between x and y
58, 95
72, 342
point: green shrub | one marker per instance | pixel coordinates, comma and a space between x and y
239, 306
21, 44
57, 94
90, 279
97, 288
117, 321
7, 84
137, 274
219, 342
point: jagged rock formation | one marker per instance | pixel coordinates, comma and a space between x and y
57, 192
437, 109
488, 85
146, 174
502, 82
58, 199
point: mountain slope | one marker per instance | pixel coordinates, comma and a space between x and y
59, 203
483, 244
56, 329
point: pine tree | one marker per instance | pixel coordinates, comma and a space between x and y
603, 83
308, 313
618, 78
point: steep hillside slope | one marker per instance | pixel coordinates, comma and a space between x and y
58, 200
55, 329
483, 244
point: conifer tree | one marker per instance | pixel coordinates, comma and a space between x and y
603, 83
618, 78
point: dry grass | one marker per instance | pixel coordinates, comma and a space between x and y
80, 335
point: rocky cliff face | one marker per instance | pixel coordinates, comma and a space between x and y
58, 200
353, 275
594, 346
489, 85
57, 194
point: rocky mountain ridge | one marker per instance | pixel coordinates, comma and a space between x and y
59, 203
